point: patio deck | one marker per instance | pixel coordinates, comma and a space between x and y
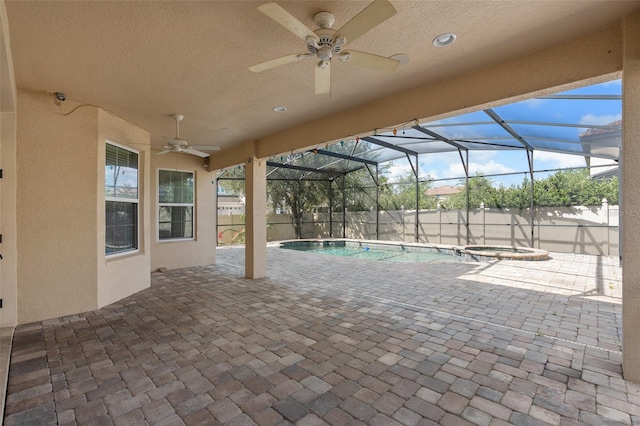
330, 340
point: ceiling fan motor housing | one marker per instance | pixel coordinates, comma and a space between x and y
326, 46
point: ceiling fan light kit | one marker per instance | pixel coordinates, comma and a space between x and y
326, 43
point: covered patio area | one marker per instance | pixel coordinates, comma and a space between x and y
438, 343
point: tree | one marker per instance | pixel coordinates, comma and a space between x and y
303, 192
402, 193
574, 188
564, 188
481, 191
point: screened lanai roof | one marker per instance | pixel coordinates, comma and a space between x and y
585, 122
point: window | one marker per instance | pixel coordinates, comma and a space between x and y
175, 203
121, 196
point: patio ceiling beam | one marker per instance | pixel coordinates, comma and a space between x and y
384, 144
491, 113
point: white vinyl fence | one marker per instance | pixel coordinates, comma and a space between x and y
583, 230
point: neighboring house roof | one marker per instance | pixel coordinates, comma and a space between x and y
227, 198
600, 132
442, 190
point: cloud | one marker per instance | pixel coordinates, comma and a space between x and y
439, 157
557, 160
534, 103
590, 119
486, 168
397, 171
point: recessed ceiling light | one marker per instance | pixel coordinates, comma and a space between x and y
279, 109
444, 40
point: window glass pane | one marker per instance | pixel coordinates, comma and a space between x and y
121, 173
121, 182
175, 222
175, 187
121, 230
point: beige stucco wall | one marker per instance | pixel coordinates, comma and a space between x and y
62, 267
8, 267
57, 156
630, 206
202, 249
9, 250
122, 275
8, 247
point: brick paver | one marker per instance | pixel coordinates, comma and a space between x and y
330, 340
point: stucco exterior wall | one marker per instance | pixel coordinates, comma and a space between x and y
202, 249
9, 264
57, 156
122, 275
630, 206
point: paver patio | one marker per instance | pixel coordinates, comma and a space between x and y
330, 340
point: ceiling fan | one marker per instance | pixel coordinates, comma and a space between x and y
326, 43
180, 145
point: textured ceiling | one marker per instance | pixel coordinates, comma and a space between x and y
144, 60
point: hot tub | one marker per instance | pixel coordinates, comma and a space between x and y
484, 252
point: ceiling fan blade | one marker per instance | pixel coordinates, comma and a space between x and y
323, 79
275, 63
373, 15
287, 20
206, 147
190, 150
371, 61
166, 151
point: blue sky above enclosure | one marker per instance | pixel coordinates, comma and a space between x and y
562, 129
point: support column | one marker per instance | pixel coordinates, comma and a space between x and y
377, 204
255, 265
532, 214
630, 202
331, 208
344, 206
466, 196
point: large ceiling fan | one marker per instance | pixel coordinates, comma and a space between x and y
326, 43
180, 145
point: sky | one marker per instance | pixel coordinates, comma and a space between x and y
567, 111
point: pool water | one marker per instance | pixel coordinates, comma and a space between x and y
364, 252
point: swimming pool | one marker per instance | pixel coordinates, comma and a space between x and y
374, 251
391, 251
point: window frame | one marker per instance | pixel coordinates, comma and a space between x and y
135, 201
160, 205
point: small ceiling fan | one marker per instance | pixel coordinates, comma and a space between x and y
326, 43
180, 145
